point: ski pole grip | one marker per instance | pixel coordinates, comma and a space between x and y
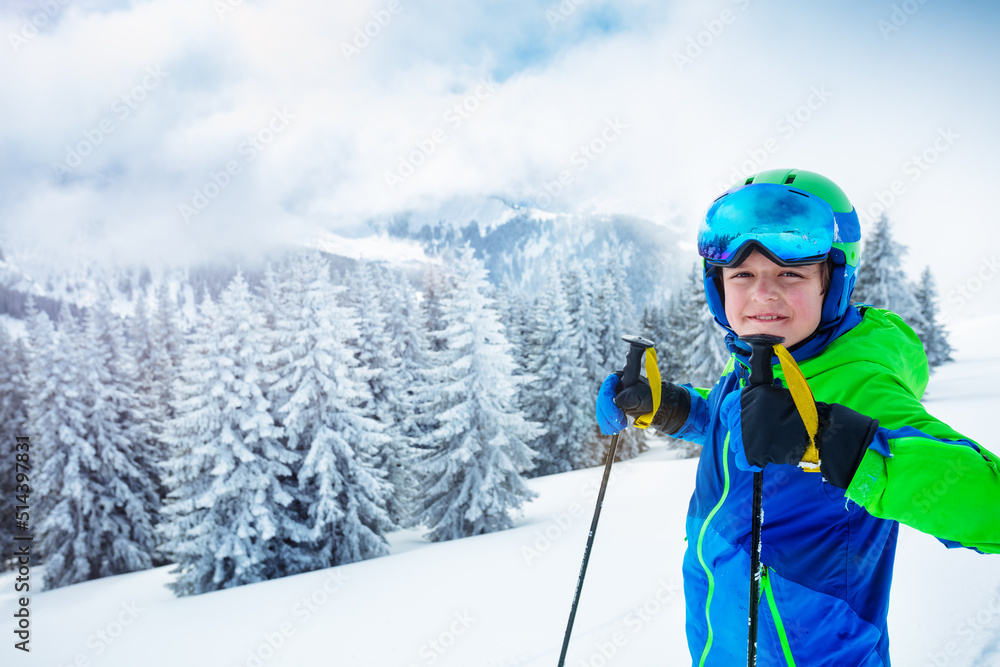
761, 351
633, 362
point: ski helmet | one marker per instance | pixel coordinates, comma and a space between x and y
793, 217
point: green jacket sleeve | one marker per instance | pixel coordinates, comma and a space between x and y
921, 472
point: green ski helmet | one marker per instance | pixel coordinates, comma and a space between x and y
792, 216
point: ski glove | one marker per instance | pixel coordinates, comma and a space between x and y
613, 403
765, 427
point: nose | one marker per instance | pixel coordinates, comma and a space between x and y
764, 289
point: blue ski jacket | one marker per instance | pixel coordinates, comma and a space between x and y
827, 554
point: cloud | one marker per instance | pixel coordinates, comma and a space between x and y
385, 106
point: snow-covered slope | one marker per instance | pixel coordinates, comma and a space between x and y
502, 599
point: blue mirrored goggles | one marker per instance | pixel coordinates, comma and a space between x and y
791, 227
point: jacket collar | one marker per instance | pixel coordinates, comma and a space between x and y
805, 349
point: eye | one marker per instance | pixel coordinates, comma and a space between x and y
739, 274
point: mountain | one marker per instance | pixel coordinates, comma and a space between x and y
511, 239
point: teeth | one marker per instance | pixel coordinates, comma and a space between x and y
766, 318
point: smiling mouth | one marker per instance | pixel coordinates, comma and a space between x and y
766, 318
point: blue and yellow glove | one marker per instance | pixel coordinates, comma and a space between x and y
614, 403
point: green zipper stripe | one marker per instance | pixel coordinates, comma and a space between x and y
789, 660
701, 558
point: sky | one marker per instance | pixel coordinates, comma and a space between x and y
173, 130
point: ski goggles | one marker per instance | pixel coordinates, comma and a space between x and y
789, 226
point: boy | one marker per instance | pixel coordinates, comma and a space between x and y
780, 256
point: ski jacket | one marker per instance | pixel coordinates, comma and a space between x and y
827, 555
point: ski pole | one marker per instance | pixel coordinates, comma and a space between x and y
761, 349
630, 375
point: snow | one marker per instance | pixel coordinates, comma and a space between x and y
15, 327
503, 599
370, 248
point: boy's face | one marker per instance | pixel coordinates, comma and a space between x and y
762, 297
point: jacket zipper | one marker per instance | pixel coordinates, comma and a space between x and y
765, 581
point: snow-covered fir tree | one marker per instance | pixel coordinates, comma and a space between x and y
471, 471
700, 340
343, 496
166, 349
140, 342
652, 324
404, 326
13, 382
13, 417
615, 308
371, 343
882, 282
516, 316
280, 316
136, 415
617, 315
556, 396
372, 302
278, 312
936, 342
658, 325
229, 513
438, 282
582, 305
150, 413
99, 503
664, 327
51, 371
582, 310
157, 344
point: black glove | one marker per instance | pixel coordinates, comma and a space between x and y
767, 428
843, 438
675, 404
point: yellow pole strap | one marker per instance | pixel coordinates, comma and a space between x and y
804, 402
653, 375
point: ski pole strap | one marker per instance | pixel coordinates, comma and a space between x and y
805, 403
653, 375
